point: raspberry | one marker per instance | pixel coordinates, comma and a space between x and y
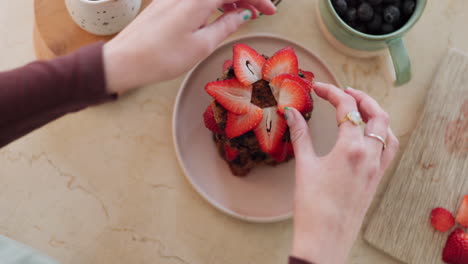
391, 14
365, 12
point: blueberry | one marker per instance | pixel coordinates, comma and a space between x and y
391, 14
351, 15
353, 3
361, 27
408, 7
341, 6
375, 2
391, 2
387, 28
365, 12
378, 9
375, 24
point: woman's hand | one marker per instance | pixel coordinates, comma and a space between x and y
334, 192
169, 37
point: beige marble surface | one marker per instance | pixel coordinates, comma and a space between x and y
103, 185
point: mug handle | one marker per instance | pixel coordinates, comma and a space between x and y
400, 60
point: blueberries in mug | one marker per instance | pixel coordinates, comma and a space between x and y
408, 7
387, 28
375, 2
340, 6
375, 25
391, 14
375, 16
353, 3
365, 12
351, 15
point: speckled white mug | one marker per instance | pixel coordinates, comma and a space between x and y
103, 17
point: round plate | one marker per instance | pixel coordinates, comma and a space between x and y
266, 194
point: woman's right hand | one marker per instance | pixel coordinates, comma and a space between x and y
334, 192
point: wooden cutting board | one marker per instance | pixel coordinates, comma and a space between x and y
433, 171
56, 34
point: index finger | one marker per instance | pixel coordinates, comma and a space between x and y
264, 6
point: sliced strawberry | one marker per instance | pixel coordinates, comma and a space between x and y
462, 215
280, 153
284, 61
227, 65
291, 94
271, 129
276, 82
237, 125
230, 153
456, 248
231, 94
441, 219
210, 121
248, 64
309, 76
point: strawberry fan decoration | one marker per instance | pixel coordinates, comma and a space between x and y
252, 95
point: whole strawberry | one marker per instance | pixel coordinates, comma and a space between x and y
441, 219
456, 248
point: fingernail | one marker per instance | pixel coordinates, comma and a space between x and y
246, 14
288, 115
348, 88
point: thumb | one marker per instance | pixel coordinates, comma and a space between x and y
299, 131
225, 25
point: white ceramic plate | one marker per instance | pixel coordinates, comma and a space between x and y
266, 194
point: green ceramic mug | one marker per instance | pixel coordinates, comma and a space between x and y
365, 43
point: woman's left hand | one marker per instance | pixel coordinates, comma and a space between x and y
169, 37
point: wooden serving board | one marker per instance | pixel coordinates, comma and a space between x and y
55, 33
433, 171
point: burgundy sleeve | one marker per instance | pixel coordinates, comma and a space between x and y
42, 91
294, 260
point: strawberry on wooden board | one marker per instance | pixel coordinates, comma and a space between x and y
462, 215
237, 125
248, 64
210, 121
271, 129
284, 61
441, 219
456, 248
231, 94
230, 153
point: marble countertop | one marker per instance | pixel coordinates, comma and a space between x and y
103, 185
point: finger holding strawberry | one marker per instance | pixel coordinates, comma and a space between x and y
333, 192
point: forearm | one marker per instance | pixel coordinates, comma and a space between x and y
42, 91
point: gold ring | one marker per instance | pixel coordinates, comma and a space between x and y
379, 138
354, 117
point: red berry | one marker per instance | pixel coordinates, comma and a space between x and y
309, 76
231, 94
271, 129
284, 61
441, 219
210, 121
237, 125
456, 248
227, 65
290, 93
230, 153
462, 215
248, 64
